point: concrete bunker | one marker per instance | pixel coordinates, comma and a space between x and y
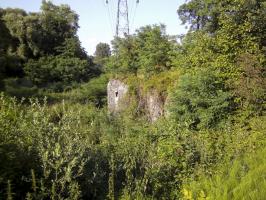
151, 101
116, 92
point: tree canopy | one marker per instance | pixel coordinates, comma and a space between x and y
148, 51
43, 47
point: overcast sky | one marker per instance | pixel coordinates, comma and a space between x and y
97, 19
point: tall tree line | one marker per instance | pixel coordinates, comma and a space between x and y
43, 48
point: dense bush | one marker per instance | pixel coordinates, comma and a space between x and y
57, 69
210, 144
20, 87
92, 92
243, 179
200, 101
73, 151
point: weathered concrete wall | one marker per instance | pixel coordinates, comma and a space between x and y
154, 105
150, 102
116, 92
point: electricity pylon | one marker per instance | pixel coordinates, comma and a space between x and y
122, 17
122, 22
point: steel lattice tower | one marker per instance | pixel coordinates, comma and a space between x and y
122, 22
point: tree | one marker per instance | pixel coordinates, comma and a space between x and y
200, 14
5, 36
10, 63
15, 22
54, 70
147, 52
71, 47
102, 52
46, 43
5, 39
41, 33
125, 56
154, 49
58, 23
210, 15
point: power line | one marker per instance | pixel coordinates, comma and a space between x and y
124, 15
112, 7
105, 4
134, 14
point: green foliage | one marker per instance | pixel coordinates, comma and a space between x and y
200, 101
125, 55
209, 145
200, 14
221, 48
57, 69
54, 150
58, 149
154, 49
93, 92
20, 87
71, 47
102, 53
243, 179
209, 15
147, 52
250, 87
38, 34
44, 47
58, 23
162, 82
196, 52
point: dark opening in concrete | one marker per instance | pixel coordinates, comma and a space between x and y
116, 94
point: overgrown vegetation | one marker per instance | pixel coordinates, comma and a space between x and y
211, 144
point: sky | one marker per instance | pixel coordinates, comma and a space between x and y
97, 19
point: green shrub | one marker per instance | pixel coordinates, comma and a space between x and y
93, 92
200, 101
245, 178
20, 88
